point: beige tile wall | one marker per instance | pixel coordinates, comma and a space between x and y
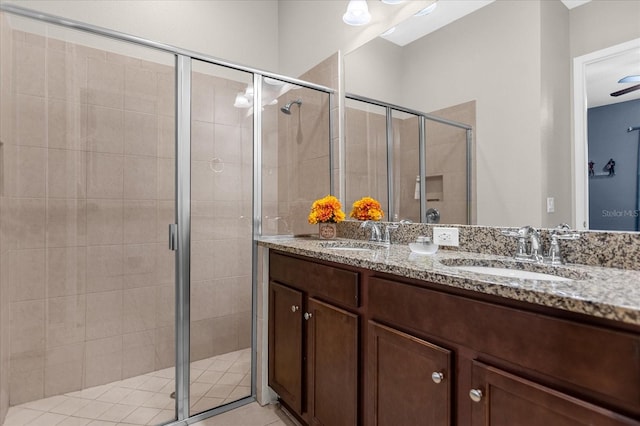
296, 166
407, 167
87, 193
366, 156
221, 234
446, 157
82, 202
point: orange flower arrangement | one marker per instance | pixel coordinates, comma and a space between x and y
327, 209
367, 208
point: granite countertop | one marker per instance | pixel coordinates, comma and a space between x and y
601, 292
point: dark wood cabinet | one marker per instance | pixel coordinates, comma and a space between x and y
513, 366
409, 380
285, 343
314, 341
332, 355
350, 346
503, 399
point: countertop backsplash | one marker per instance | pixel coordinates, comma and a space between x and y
595, 248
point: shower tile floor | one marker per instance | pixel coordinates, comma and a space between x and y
141, 400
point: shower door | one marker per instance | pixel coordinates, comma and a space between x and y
87, 190
221, 277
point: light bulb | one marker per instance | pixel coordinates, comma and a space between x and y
357, 13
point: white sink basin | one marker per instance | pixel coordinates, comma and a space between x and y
512, 273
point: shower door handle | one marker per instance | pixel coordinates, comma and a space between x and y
173, 236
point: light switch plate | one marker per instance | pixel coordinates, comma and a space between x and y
551, 205
445, 236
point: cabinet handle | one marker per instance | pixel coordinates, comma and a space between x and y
294, 308
307, 316
437, 377
475, 395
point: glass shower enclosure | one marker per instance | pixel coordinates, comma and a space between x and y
130, 199
418, 165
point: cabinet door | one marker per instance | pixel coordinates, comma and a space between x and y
409, 380
508, 400
285, 344
332, 365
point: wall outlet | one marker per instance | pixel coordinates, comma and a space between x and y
445, 236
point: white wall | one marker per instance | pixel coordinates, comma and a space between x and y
376, 71
603, 23
555, 113
312, 30
491, 56
244, 32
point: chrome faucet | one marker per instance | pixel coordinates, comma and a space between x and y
387, 235
561, 232
529, 247
535, 252
377, 235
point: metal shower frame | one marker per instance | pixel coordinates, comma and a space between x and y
182, 242
423, 117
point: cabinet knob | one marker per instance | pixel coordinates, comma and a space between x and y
307, 315
294, 308
437, 377
475, 395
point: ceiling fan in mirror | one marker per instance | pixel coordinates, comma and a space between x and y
628, 79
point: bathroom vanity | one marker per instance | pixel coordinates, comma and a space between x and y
378, 337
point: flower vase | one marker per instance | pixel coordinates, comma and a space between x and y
327, 230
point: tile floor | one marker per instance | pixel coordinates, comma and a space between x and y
141, 400
251, 415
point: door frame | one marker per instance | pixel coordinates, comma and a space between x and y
580, 178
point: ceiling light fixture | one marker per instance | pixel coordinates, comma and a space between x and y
427, 10
630, 79
357, 13
392, 1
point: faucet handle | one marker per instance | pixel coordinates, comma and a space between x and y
519, 233
562, 232
572, 236
387, 234
510, 232
522, 232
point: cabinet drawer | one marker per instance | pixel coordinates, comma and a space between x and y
322, 281
505, 399
599, 360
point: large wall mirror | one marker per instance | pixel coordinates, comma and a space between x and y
511, 64
607, 137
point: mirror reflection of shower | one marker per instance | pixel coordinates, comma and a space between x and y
287, 108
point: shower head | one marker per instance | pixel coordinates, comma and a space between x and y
631, 129
287, 108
